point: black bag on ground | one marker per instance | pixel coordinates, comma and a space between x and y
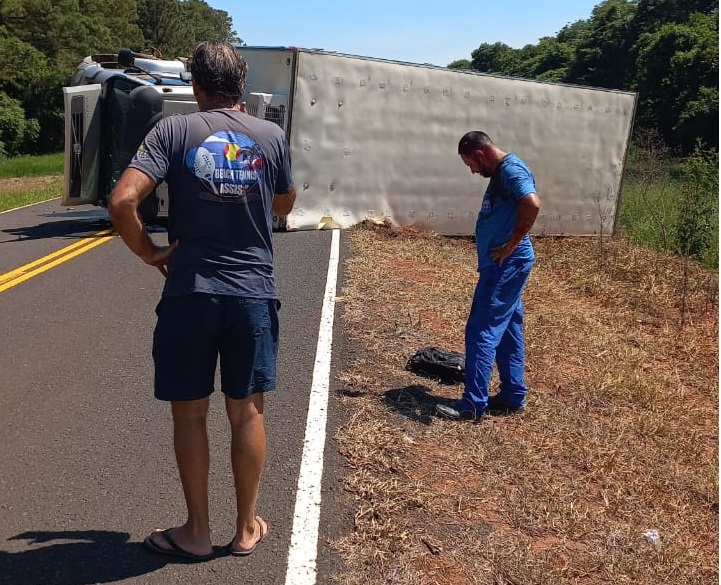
445, 366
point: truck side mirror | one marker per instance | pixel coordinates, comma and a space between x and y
125, 58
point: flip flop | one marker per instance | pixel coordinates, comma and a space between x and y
251, 550
175, 549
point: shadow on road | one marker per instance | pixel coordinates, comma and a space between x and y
53, 229
76, 558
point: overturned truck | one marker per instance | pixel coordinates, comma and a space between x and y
369, 138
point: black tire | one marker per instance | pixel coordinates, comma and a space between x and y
149, 208
280, 223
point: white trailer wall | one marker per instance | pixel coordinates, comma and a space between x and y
373, 138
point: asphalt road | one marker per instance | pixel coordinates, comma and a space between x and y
86, 466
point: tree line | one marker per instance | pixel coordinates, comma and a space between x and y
666, 50
43, 41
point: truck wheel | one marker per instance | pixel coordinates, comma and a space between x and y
148, 209
280, 223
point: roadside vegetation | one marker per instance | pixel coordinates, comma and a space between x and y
611, 476
30, 179
31, 166
671, 204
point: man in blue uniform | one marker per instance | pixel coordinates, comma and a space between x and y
227, 173
494, 331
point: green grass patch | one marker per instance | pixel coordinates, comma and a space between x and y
12, 199
648, 210
32, 166
672, 204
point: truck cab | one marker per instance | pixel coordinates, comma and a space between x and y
112, 102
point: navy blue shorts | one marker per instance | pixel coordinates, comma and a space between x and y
194, 330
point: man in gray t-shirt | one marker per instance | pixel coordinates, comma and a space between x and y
227, 173
222, 168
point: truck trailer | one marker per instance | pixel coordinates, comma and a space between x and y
369, 138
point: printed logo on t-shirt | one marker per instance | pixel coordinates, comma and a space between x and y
229, 165
487, 205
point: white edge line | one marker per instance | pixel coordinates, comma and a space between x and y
303, 551
29, 205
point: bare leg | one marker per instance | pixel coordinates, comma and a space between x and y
247, 453
192, 455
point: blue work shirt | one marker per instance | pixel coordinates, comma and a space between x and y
512, 181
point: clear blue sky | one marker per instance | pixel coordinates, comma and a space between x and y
418, 32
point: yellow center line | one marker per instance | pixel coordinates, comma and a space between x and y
28, 271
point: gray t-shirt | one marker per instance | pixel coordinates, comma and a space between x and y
222, 168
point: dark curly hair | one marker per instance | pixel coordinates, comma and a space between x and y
219, 70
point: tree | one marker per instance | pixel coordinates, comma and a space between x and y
575, 33
17, 133
666, 50
524, 64
698, 221
551, 60
495, 58
653, 14
45, 40
677, 79
461, 64
22, 66
602, 57
45, 33
161, 23
173, 28
209, 24
113, 25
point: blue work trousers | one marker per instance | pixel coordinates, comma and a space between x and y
494, 333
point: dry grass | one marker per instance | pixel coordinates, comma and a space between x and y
20, 191
620, 433
22, 184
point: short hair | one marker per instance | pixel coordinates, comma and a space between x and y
473, 141
219, 70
